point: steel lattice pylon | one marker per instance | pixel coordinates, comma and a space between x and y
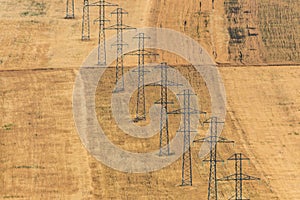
141, 97
119, 27
101, 37
70, 9
187, 178
238, 177
85, 21
187, 156
213, 140
164, 146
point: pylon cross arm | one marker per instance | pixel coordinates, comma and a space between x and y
117, 26
101, 20
228, 178
224, 140
179, 111
208, 160
249, 178
238, 177
102, 3
206, 139
142, 52
159, 102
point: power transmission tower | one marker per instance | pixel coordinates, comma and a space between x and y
85, 21
141, 98
101, 38
187, 111
119, 27
238, 177
213, 140
164, 145
70, 9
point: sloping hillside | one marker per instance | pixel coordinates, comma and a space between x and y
41, 155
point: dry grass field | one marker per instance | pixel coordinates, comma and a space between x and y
41, 155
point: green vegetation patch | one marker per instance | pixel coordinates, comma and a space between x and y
35, 9
29, 167
7, 127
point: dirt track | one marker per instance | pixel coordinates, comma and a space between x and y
41, 156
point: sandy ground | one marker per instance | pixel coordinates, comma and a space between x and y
41, 156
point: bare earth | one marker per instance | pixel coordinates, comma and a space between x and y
41, 155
